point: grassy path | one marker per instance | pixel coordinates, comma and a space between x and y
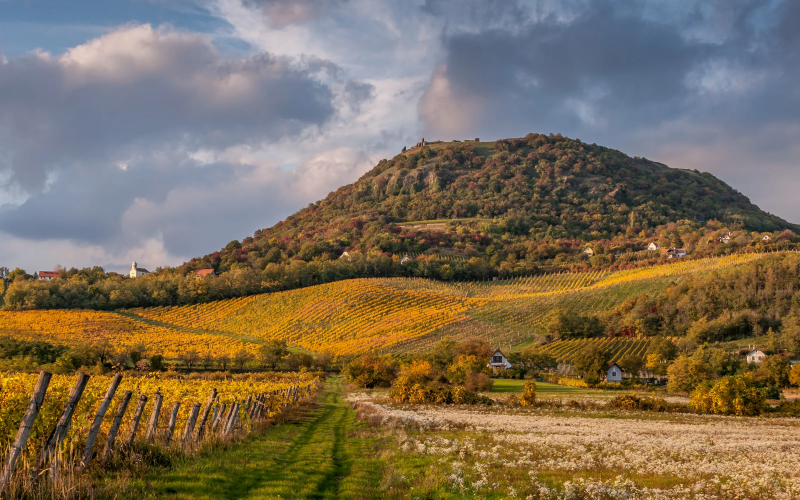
317, 456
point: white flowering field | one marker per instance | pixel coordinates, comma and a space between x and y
564, 453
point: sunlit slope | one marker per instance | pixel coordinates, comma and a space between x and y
344, 317
410, 315
73, 327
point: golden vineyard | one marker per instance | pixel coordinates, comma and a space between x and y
379, 315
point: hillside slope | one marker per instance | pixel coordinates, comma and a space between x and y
514, 200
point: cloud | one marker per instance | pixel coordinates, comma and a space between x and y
121, 121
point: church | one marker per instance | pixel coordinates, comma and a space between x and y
137, 271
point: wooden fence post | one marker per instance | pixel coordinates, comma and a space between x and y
153, 425
112, 433
98, 421
220, 417
201, 428
137, 415
173, 418
187, 431
60, 431
25, 426
232, 420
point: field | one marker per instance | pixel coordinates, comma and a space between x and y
564, 351
391, 315
563, 453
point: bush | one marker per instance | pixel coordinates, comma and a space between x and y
405, 391
528, 397
634, 402
731, 395
478, 382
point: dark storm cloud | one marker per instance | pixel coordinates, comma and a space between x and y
620, 64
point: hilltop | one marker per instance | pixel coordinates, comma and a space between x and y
514, 201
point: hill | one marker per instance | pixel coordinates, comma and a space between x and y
515, 204
701, 300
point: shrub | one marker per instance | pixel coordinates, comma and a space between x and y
478, 382
528, 397
369, 370
405, 391
731, 395
635, 402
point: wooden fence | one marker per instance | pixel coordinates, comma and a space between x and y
213, 421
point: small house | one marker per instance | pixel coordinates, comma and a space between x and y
137, 271
726, 238
588, 251
406, 259
653, 246
756, 356
673, 253
202, 273
766, 237
498, 361
48, 275
346, 255
614, 373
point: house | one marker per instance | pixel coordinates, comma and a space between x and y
345, 255
405, 259
137, 271
726, 238
756, 356
202, 273
653, 246
673, 253
498, 361
766, 237
614, 373
588, 251
48, 275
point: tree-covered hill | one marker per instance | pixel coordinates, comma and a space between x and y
532, 198
458, 211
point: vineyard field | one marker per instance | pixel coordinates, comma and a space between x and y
565, 351
382, 315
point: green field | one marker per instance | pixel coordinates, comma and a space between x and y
543, 389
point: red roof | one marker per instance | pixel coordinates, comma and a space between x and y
204, 272
49, 274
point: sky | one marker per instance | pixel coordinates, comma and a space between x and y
160, 130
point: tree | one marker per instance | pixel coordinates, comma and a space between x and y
156, 362
794, 375
631, 364
224, 360
665, 348
730, 395
190, 358
686, 372
774, 370
272, 352
592, 362
241, 358
369, 370
563, 324
533, 358
463, 366
474, 347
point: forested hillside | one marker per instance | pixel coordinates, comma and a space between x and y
455, 211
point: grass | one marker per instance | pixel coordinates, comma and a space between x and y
542, 388
315, 455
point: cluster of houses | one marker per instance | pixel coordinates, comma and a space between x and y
499, 363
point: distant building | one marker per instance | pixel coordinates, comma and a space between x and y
499, 361
652, 246
48, 275
726, 238
137, 271
756, 356
588, 251
766, 237
202, 273
614, 373
345, 255
405, 259
673, 253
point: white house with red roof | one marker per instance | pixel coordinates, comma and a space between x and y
48, 275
